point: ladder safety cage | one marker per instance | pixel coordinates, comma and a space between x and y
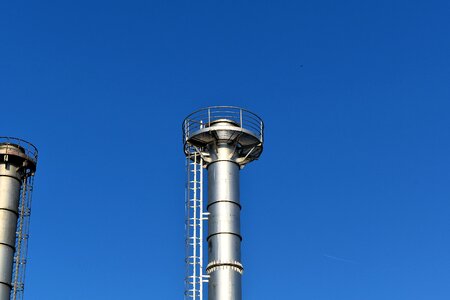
195, 218
22, 235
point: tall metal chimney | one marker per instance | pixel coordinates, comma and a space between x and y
18, 160
222, 139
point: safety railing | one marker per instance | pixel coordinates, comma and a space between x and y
240, 117
29, 149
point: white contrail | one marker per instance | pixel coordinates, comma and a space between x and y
340, 259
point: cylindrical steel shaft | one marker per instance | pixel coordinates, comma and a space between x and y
224, 236
10, 181
227, 138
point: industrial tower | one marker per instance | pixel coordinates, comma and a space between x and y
18, 160
222, 139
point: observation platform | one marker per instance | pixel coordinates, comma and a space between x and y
224, 124
16, 150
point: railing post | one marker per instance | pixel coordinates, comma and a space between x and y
240, 113
261, 128
209, 116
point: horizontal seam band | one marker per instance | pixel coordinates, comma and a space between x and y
10, 210
224, 232
230, 201
7, 284
8, 245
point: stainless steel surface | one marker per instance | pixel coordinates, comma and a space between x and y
224, 238
17, 166
9, 200
225, 285
226, 138
223, 179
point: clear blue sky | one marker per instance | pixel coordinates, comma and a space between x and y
350, 199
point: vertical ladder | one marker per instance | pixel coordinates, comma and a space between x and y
195, 218
22, 234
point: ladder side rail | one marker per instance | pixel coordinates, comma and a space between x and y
186, 228
190, 241
201, 221
194, 233
193, 227
22, 235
